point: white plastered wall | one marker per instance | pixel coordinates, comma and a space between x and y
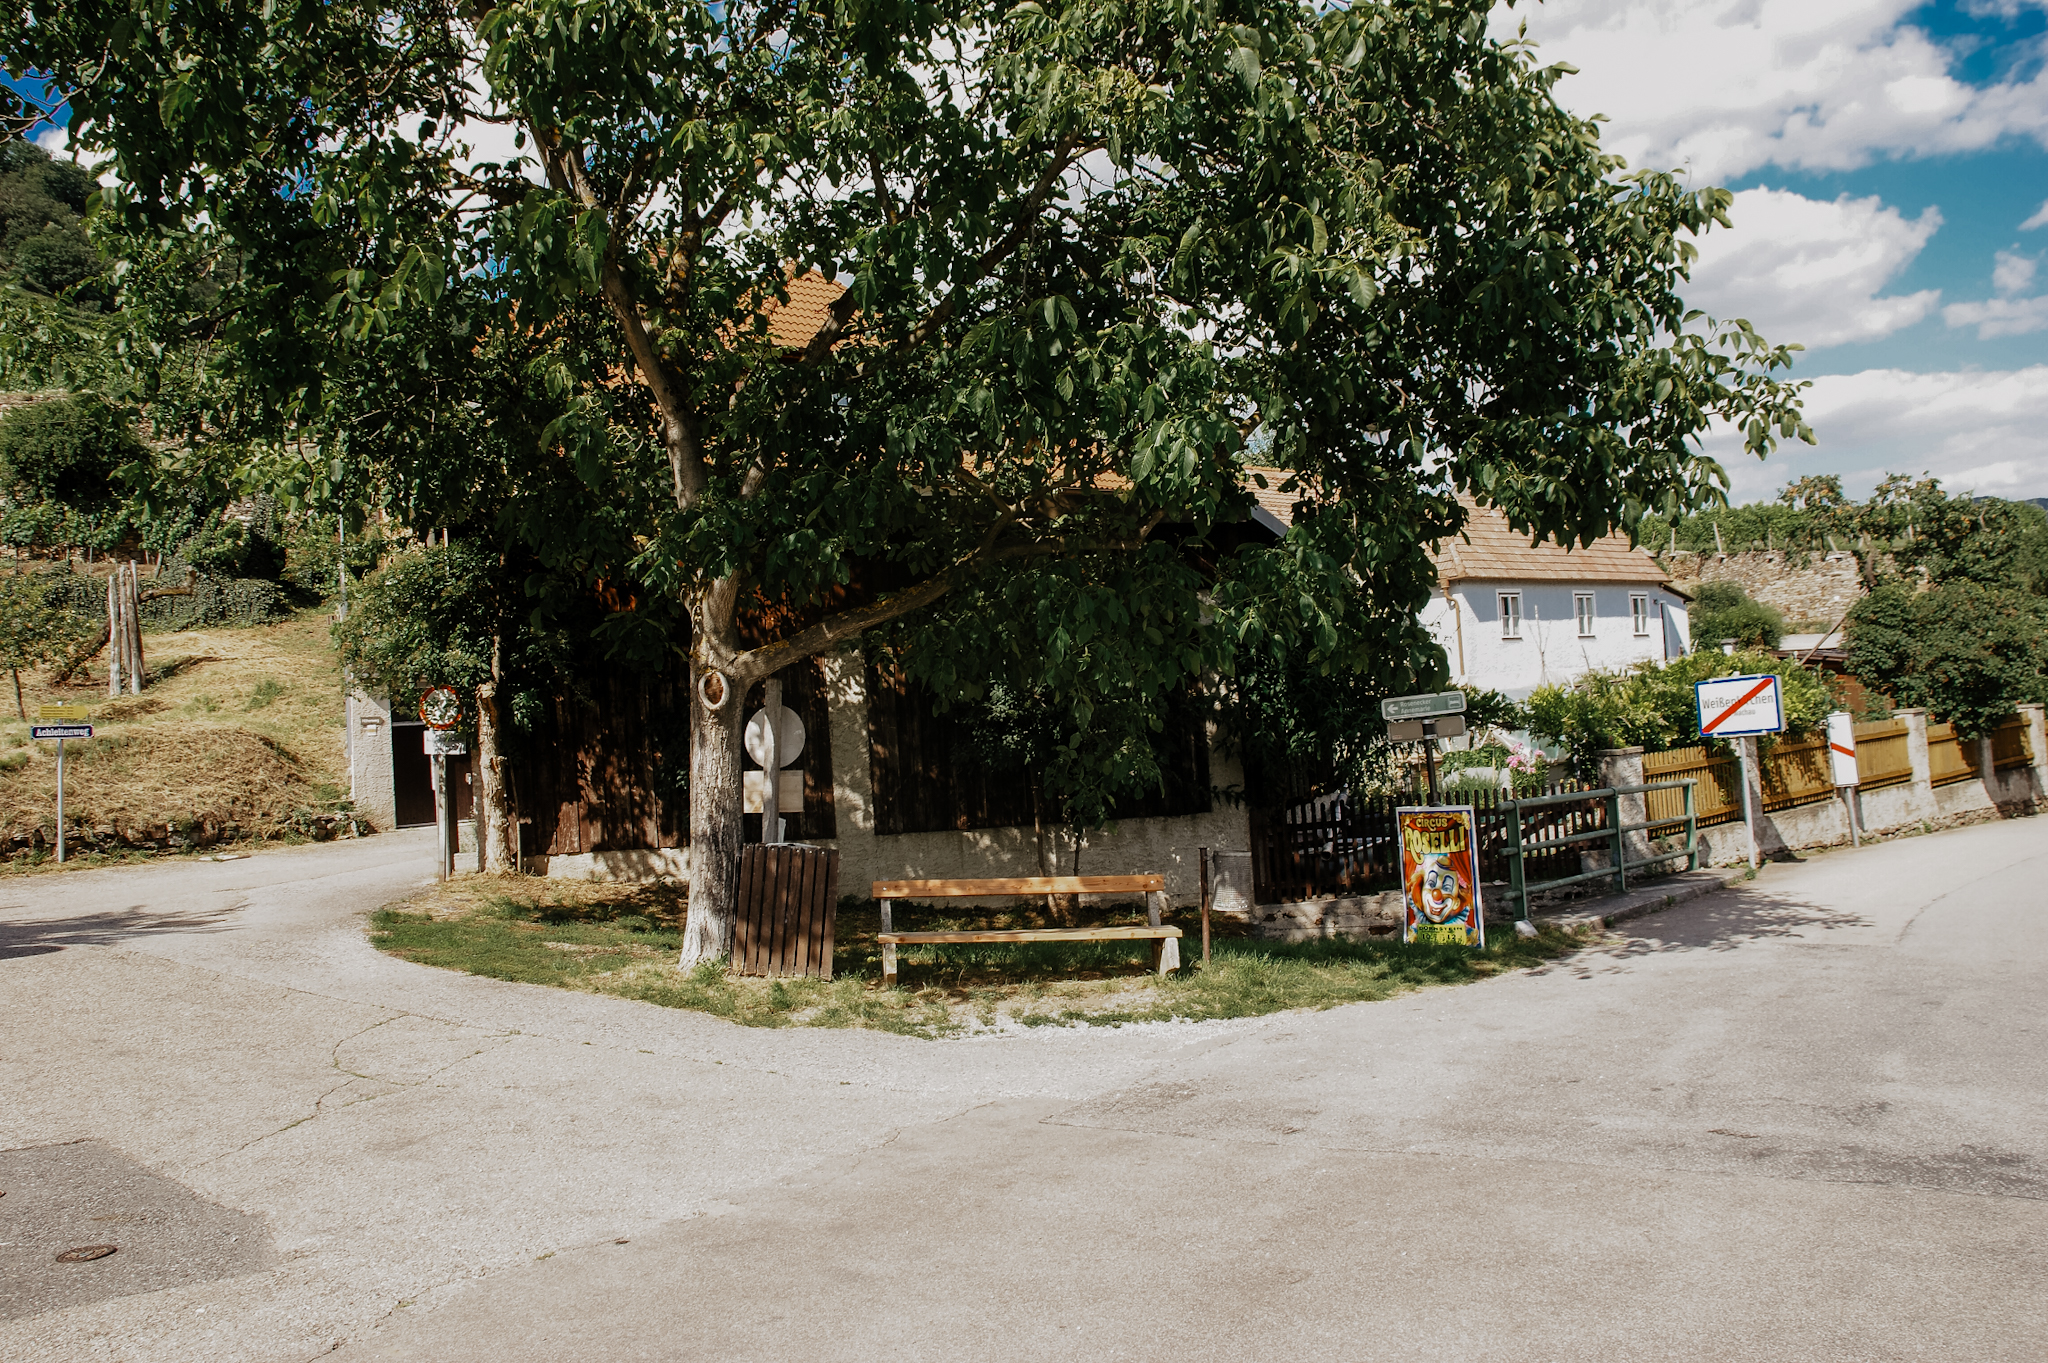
369, 752
1466, 620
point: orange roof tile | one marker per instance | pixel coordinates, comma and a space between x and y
791, 325
1488, 549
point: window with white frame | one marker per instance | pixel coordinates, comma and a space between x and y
1582, 607
1639, 613
1510, 615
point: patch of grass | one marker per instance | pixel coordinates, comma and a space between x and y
244, 728
623, 941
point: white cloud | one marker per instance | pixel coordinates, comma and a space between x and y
1726, 86
2040, 218
1999, 316
2012, 272
2009, 314
1811, 271
1977, 432
56, 141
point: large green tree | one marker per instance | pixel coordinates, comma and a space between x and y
1088, 247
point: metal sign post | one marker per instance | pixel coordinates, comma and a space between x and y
442, 745
1425, 719
60, 732
1842, 764
1741, 708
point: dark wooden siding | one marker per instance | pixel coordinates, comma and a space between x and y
610, 770
592, 775
928, 778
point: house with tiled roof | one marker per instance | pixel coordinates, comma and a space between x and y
1512, 616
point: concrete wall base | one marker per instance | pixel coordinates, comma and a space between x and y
626, 864
1312, 920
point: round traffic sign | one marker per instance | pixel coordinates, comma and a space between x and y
441, 708
789, 736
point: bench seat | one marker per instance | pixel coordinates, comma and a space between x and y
1165, 940
1122, 934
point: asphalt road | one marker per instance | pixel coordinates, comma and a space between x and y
1803, 1119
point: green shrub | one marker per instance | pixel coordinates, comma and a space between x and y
1653, 705
1723, 610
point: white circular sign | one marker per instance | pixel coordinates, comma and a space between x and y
789, 735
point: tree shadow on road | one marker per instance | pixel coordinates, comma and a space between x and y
1730, 919
110, 927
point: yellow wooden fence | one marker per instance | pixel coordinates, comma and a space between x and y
2011, 744
1716, 799
1882, 758
1949, 758
1796, 772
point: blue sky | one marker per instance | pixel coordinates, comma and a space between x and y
1887, 159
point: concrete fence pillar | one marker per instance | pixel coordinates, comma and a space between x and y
2036, 716
1916, 752
1624, 767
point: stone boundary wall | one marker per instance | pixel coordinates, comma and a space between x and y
1802, 586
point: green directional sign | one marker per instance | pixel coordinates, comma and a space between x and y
1423, 707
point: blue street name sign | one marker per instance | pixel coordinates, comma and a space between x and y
60, 731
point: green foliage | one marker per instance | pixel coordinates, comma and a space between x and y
59, 462
1088, 257
315, 555
1724, 610
1653, 705
1968, 651
43, 242
425, 619
33, 629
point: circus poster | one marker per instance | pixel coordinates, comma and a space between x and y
1440, 877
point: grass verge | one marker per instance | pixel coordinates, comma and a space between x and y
623, 941
237, 737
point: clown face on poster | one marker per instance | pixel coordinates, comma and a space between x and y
1439, 877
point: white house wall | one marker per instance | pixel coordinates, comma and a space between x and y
1466, 622
1137, 846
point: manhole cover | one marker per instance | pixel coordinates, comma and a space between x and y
85, 1253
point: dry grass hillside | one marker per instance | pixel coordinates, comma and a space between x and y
237, 736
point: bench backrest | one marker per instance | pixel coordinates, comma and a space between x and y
976, 889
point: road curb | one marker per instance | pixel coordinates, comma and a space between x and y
1666, 893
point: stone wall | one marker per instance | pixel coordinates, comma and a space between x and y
1803, 586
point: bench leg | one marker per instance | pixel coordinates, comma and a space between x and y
888, 965
1165, 954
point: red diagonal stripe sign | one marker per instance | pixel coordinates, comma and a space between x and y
1747, 697
1846, 752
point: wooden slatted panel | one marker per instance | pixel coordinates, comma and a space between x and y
1949, 759
2011, 744
788, 902
1882, 755
604, 771
1796, 772
1717, 798
928, 776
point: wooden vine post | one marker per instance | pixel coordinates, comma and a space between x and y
124, 629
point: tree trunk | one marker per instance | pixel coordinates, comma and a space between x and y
19, 708
493, 810
717, 705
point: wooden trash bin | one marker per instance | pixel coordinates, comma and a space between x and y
788, 899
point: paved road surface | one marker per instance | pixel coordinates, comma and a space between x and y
1805, 1119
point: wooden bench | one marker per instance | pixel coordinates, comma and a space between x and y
1165, 940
